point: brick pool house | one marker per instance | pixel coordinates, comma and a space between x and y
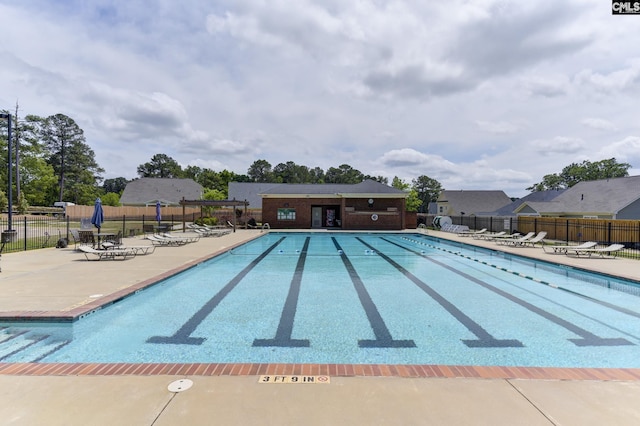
368, 205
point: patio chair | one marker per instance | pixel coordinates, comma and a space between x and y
185, 237
564, 249
604, 252
493, 235
138, 249
468, 233
116, 240
86, 237
538, 239
157, 240
92, 254
514, 238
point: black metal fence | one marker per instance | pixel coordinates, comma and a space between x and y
559, 230
35, 232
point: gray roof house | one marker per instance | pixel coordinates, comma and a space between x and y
617, 198
467, 203
538, 196
147, 191
249, 191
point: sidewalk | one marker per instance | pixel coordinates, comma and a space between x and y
62, 282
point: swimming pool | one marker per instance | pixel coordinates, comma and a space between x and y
355, 298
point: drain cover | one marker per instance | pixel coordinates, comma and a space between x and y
180, 385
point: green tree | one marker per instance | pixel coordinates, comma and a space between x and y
413, 202
400, 184
37, 176
160, 166
343, 174
115, 185
22, 205
291, 172
316, 175
4, 202
427, 189
72, 159
260, 171
110, 199
585, 171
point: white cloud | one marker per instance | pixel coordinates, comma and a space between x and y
471, 93
599, 124
500, 127
626, 150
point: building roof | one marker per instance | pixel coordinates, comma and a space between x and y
169, 191
367, 188
253, 192
534, 197
249, 191
605, 197
474, 202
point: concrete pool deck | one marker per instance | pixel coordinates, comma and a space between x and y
61, 283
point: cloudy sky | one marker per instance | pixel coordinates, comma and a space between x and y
478, 94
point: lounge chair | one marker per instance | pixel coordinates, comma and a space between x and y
185, 237
609, 252
473, 234
138, 249
515, 240
567, 248
117, 253
492, 235
157, 240
532, 241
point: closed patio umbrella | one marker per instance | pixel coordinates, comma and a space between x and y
98, 215
158, 213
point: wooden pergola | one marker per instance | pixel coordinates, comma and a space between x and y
212, 203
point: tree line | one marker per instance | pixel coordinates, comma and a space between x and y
53, 162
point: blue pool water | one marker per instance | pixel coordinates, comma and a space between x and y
355, 298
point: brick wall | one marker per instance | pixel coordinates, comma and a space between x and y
357, 215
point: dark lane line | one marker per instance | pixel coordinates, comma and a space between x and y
383, 336
285, 327
183, 335
608, 305
587, 338
485, 340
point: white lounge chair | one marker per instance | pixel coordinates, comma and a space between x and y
157, 240
491, 236
116, 253
532, 241
610, 251
184, 237
138, 249
514, 241
468, 233
566, 248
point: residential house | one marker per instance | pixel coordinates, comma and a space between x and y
249, 191
537, 197
169, 191
467, 203
616, 198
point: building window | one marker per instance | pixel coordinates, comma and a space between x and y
441, 209
286, 214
